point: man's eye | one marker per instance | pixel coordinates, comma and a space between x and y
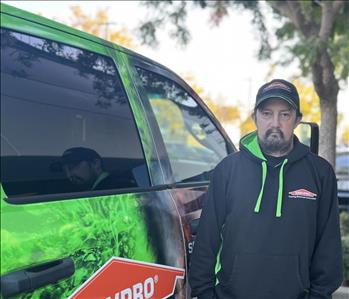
285, 114
266, 113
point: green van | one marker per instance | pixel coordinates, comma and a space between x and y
105, 158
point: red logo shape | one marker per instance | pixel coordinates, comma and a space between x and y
302, 193
128, 279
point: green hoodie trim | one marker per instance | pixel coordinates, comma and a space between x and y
281, 189
250, 141
218, 259
101, 177
264, 176
218, 262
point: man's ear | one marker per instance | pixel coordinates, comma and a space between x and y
254, 117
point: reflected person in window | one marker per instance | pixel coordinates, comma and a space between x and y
84, 168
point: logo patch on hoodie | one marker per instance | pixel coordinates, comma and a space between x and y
302, 193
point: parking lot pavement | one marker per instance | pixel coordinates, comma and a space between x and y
341, 293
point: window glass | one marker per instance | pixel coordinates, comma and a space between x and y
66, 125
193, 143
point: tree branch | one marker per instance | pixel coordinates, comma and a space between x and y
324, 79
337, 5
329, 12
292, 10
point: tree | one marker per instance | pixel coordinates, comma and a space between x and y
314, 33
99, 25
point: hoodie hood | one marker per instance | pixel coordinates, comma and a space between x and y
249, 145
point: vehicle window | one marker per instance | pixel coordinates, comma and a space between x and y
193, 143
342, 161
66, 124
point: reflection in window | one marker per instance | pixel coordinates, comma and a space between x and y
193, 143
55, 97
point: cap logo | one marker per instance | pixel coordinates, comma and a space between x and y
279, 85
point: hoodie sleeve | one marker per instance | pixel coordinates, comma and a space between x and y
326, 265
202, 276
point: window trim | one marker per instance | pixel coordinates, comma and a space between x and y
32, 199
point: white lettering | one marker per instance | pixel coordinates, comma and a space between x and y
126, 292
190, 247
148, 288
137, 291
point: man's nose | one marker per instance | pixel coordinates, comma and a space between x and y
275, 121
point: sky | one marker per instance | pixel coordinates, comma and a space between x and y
222, 59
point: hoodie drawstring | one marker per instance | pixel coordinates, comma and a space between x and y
280, 192
264, 175
281, 189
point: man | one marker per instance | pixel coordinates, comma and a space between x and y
269, 227
84, 168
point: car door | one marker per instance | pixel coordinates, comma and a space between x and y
193, 140
61, 91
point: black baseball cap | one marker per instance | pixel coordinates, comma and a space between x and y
279, 89
74, 155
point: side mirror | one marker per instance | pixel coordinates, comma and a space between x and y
308, 133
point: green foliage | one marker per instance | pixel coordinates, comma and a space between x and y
290, 39
311, 11
265, 48
170, 13
285, 32
306, 52
147, 32
339, 51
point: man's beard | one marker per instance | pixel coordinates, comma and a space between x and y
274, 142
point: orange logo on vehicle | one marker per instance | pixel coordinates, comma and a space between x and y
128, 279
302, 193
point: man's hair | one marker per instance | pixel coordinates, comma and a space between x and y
260, 107
75, 155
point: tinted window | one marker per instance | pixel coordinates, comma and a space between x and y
53, 98
193, 143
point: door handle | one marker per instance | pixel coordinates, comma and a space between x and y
36, 277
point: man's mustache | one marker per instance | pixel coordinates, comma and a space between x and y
271, 131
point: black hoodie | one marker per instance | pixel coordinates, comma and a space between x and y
266, 231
